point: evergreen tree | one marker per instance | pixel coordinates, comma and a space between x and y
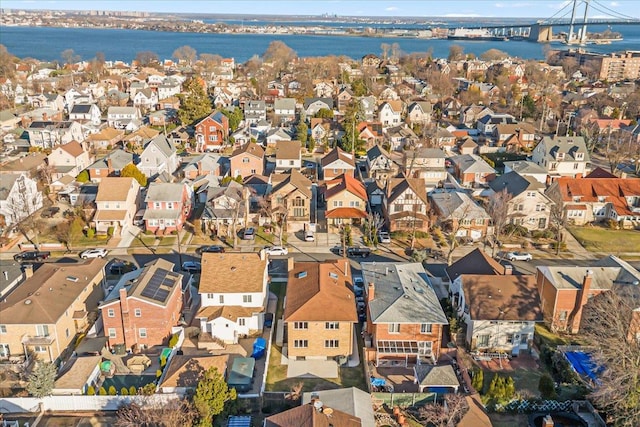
235, 117
91, 391
478, 380
124, 391
112, 391
194, 102
132, 171
547, 388
302, 132
41, 380
83, 177
211, 396
132, 391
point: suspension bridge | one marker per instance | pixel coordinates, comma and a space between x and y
574, 14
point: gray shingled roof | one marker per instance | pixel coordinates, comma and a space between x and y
515, 183
402, 294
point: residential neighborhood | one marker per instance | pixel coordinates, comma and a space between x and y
395, 240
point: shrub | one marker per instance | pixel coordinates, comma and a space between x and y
547, 388
83, 177
515, 230
149, 389
421, 234
102, 391
173, 340
91, 233
110, 231
124, 391
159, 371
112, 391
91, 391
132, 391
477, 382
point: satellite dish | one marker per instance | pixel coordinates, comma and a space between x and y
328, 411
318, 405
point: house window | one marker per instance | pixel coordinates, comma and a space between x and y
290, 162
142, 332
398, 208
562, 316
42, 330
509, 338
169, 205
245, 160
39, 348
137, 312
112, 332
246, 298
483, 341
300, 343
66, 332
425, 328
210, 296
156, 205
331, 343
241, 321
332, 325
3, 329
111, 312
220, 298
300, 325
394, 328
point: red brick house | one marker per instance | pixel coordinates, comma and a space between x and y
212, 132
168, 206
143, 308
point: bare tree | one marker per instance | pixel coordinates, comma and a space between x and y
557, 220
186, 54
498, 210
448, 414
373, 224
277, 214
610, 323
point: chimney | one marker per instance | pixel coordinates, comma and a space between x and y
582, 297
109, 165
371, 292
199, 168
290, 263
547, 421
28, 270
124, 302
508, 270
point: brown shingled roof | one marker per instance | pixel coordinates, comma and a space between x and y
232, 273
250, 148
73, 148
114, 189
506, 297
348, 183
475, 262
308, 416
320, 292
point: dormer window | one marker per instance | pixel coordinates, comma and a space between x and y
579, 156
560, 157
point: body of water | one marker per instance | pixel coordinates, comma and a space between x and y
46, 43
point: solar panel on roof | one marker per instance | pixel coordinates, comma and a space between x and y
156, 288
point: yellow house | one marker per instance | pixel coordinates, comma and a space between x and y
44, 314
320, 311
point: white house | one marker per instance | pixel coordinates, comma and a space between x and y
159, 156
562, 156
146, 99
69, 159
500, 310
89, 112
48, 134
19, 198
390, 113
121, 117
233, 292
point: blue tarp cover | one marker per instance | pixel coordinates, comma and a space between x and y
582, 363
378, 382
259, 347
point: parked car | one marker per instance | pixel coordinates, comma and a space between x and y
28, 256
519, 256
50, 212
276, 250
356, 251
94, 253
216, 249
309, 236
384, 237
191, 267
249, 233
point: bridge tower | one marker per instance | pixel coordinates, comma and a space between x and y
583, 39
573, 19
541, 33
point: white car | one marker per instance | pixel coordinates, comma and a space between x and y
384, 237
94, 253
276, 250
519, 256
308, 236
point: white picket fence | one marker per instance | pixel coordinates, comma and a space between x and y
13, 405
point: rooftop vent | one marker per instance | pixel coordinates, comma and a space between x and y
27, 301
333, 275
301, 275
73, 279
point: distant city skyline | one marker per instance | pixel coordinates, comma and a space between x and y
361, 8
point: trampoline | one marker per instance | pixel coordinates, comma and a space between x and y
582, 363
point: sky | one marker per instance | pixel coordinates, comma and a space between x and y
388, 8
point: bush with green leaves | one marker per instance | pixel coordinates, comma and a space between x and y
124, 391
547, 388
132, 391
91, 391
173, 341
501, 390
112, 391
477, 382
102, 391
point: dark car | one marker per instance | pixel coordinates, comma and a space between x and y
31, 256
216, 249
49, 212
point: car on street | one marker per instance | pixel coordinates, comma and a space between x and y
268, 320
355, 251
191, 267
309, 236
29, 256
384, 237
519, 256
276, 250
310, 165
216, 249
94, 253
249, 234
50, 212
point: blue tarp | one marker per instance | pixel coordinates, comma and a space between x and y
582, 364
378, 382
259, 347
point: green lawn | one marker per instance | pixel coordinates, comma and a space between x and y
598, 239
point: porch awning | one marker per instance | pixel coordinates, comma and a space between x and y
161, 214
346, 213
103, 215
